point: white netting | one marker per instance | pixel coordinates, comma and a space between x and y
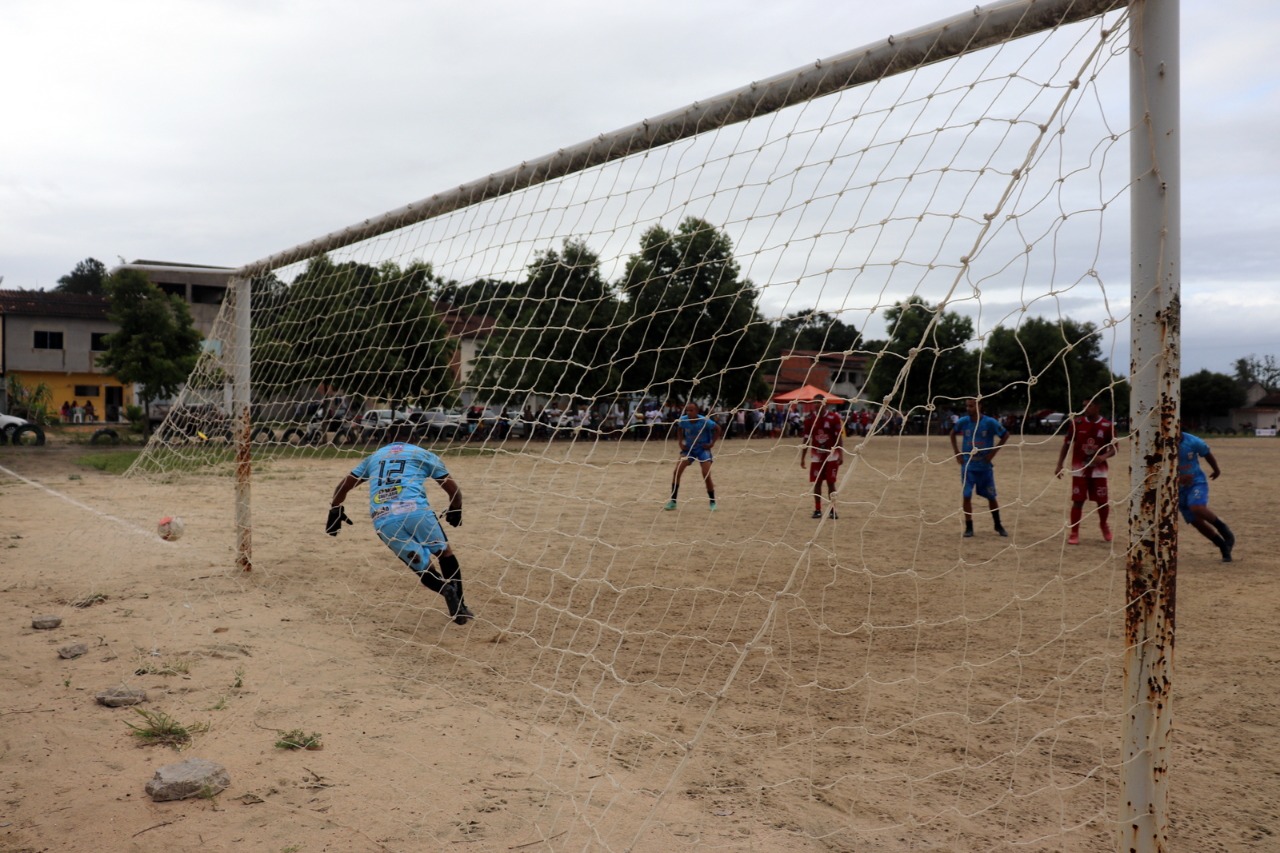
753, 678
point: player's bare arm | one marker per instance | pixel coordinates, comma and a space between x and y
1213, 466
453, 515
1062, 452
338, 515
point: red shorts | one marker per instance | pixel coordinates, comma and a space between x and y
1089, 488
824, 471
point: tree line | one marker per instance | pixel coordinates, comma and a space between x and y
681, 322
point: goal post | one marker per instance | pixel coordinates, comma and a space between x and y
928, 218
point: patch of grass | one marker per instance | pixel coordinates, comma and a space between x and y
110, 461
238, 682
89, 600
298, 739
159, 728
174, 667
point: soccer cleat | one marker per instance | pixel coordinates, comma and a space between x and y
1106, 534
670, 505
968, 533
452, 600
1074, 538
1225, 548
1002, 531
464, 615
833, 513
817, 513
712, 507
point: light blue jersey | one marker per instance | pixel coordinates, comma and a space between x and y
978, 438
697, 432
1190, 449
397, 476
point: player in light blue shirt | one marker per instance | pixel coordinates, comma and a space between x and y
982, 437
1193, 493
403, 519
698, 434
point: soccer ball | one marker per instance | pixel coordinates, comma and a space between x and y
170, 528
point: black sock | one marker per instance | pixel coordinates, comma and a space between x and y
995, 516
968, 524
1221, 527
711, 493
675, 490
431, 580
452, 574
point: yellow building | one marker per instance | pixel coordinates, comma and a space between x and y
54, 339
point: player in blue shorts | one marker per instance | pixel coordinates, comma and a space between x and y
1193, 493
982, 437
698, 434
403, 518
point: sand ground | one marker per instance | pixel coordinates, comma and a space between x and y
746, 680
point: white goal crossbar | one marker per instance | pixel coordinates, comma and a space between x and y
1155, 271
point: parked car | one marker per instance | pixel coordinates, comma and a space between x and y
383, 418
1051, 421
16, 430
438, 422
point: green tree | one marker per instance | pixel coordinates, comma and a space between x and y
490, 297
1063, 356
89, 276
1207, 395
816, 330
943, 368
694, 329
1265, 371
562, 338
371, 332
156, 344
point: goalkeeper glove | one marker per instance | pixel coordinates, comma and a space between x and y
337, 515
453, 516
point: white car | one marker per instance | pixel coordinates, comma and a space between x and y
16, 430
379, 418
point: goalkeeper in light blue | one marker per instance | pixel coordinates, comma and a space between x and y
403, 519
698, 433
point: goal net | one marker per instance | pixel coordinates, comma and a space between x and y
936, 217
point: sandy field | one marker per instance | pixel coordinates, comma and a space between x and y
748, 680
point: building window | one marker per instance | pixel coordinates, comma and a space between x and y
48, 340
88, 390
98, 341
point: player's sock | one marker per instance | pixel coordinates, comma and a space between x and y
995, 517
1077, 512
449, 567
431, 580
675, 491
968, 528
1227, 535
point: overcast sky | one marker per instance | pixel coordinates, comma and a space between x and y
223, 131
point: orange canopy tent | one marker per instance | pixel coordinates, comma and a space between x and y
807, 394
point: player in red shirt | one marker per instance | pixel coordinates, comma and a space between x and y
1092, 440
824, 439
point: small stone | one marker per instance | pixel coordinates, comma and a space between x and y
73, 651
190, 778
44, 623
118, 697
